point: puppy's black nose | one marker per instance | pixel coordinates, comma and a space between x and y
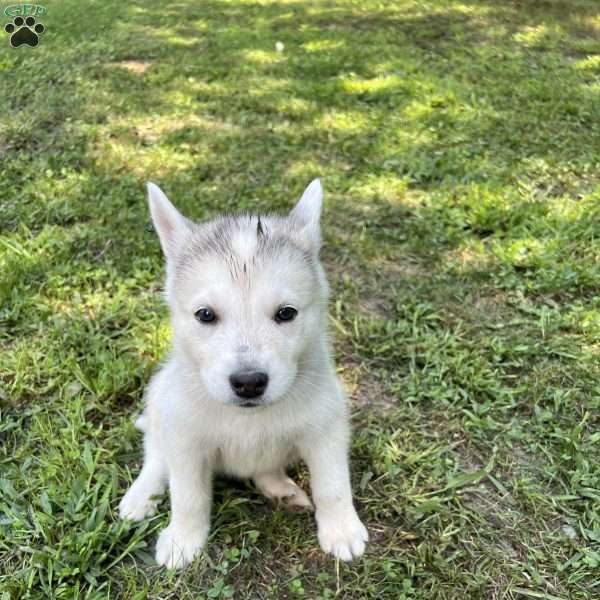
249, 384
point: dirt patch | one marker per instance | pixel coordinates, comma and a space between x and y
466, 259
139, 67
401, 269
366, 391
375, 307
492, 303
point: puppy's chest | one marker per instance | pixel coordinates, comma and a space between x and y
245, 457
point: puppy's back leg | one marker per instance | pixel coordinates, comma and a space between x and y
140, 501
276, 485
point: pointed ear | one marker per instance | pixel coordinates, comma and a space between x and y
307, 214
172, 227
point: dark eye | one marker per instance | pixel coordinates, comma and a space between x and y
285, 313
205, 315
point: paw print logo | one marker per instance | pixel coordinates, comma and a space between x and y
24, 31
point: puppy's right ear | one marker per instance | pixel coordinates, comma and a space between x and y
172, 227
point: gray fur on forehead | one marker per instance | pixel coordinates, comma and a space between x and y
274, 238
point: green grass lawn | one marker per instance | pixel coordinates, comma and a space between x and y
459, 146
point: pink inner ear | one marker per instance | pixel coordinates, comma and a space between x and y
167, 228
167, 231
308, 209
167, 220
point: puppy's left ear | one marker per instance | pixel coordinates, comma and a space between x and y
306, 215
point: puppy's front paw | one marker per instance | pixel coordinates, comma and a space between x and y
137, 504
343, 535
177, 549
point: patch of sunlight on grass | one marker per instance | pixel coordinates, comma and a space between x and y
303, 169
591, 63
199, 24
294, 106
539, 35
592, 349
153, 127
376, 84
593, 22
382, 69
589, 321
431, 103
522, 252
277, 3
118, 154
567, 211
160, 337
470, 9
264, 57
385, 187
179, 99
422, 109
209, 88
263, 86
560, 211
179, 40
323, 45
347, 121
587, 317
166, 35
46, 189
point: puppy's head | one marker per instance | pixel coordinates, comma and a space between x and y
247, 296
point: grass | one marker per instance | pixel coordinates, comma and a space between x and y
459, 145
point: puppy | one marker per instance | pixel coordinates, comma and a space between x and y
250, 386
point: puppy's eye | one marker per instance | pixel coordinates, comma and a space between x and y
285, 313
205, 315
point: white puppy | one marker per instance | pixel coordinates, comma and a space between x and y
250, 386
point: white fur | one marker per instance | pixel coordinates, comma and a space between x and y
193, 423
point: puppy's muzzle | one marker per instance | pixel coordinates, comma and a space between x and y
249, 384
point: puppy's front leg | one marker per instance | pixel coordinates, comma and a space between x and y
190, 487
340, 531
